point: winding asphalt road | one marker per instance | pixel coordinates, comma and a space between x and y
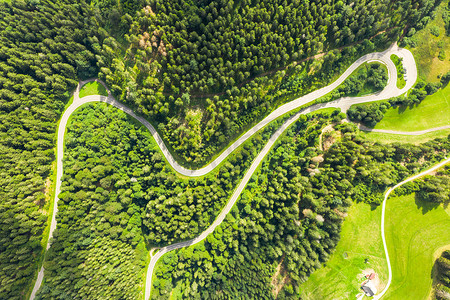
344, 104
383, 214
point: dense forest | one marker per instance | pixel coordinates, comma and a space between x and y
231, 59
119, 197
366, 79
44, 49
203, 71
442, 265
287, 221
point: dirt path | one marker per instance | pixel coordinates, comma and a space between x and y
362, 127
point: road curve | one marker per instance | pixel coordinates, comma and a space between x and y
344, 104
419, 132
383, 213
390, 90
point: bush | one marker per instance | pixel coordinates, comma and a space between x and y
369, 114
445, 78
434, 30
441, 55
432, 88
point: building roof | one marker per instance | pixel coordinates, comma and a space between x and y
367, 291
369, 288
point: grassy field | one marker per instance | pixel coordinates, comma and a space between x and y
428, 47
412, 139
93, 88
341, 277
415, 231
432, 112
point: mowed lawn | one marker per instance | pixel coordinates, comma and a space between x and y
360, 239
93, 88
415, 230
433, 111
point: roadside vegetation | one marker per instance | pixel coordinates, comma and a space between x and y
211, 56
431, 44
93, 88
424, 106
209, 69
429, 113
367, 79
417, 221
299, 191
41, 59
119, 197
400, 71
360, 248
368, 114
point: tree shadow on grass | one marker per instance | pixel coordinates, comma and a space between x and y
401, 109
425, 206
374, 206
434, 275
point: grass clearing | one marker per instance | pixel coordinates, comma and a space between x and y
400, 138
93, 88
328, 110
430, 49
415, 231
340, 278
430, 113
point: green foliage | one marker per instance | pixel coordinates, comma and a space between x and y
367, 79
118, 195
432, 87
441, 54
289, 215
442, 265
435, 188
369, 114
417, 114
44, 46
446, 18
434, 30
174, 51
431, 188
416, 94
415, 231
239, 60
445, 78
360, 239
400, 71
